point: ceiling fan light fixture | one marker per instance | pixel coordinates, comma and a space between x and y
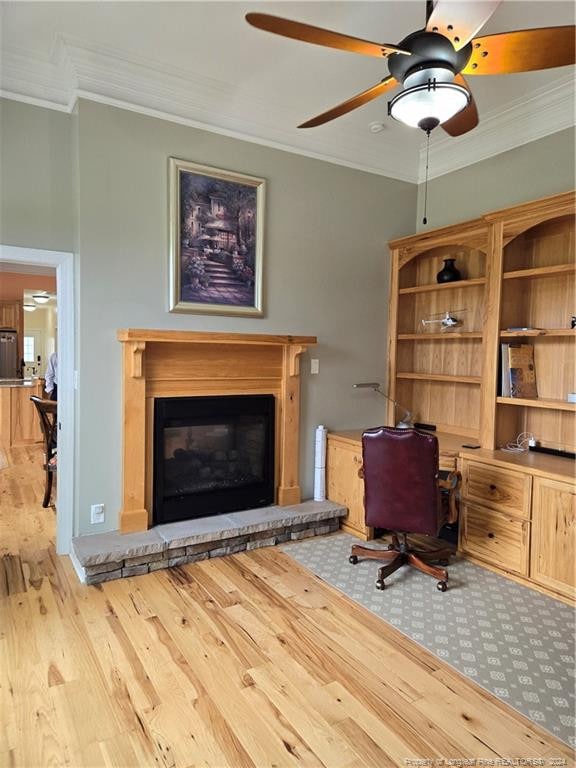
429, 97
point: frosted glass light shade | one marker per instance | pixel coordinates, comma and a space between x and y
428, 95
41, 298
29, 307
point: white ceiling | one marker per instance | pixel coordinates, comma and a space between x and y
200, 63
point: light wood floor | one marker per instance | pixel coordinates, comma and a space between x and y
241, 661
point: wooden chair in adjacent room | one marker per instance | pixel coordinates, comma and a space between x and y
48, 415
403, 494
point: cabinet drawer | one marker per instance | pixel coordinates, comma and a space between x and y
500, 489
500, 539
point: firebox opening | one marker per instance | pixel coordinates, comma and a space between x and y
212, 455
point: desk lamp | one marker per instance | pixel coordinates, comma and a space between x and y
406, 420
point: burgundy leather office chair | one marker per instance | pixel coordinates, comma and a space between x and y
402, 494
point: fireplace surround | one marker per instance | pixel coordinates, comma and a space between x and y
172, 364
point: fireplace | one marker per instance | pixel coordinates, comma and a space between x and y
212, 455
178, 364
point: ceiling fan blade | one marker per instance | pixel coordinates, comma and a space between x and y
467, 119
353, 103
521, 51
309, 34
459, 21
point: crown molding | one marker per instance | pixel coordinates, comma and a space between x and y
79, 69
101, 74
233, 134
46, 83
547, 110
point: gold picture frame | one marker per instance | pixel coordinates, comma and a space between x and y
216, 240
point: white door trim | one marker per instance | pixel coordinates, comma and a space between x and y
63, 262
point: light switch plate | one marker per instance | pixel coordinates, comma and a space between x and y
314, 365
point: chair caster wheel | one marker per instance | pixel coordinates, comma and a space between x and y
380, 584
353, 559
442, 586
444, 563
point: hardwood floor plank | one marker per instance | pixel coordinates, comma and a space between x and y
364, 745
310, 728
12, 567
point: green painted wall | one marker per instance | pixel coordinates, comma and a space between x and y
541, 168
325, 274
37, 207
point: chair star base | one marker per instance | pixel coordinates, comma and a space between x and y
399, 554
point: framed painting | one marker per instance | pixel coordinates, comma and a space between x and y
216, 240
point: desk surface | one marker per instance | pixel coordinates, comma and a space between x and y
450, 445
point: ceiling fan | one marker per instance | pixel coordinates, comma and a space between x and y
430, 64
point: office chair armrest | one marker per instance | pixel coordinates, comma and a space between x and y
451, 484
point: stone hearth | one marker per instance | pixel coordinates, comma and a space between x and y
107, 556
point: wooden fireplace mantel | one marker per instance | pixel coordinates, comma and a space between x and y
160, 363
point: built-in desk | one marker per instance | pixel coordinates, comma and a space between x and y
517, 511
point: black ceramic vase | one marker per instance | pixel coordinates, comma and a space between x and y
448, 273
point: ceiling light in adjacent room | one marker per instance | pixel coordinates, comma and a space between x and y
41, 298
29, 307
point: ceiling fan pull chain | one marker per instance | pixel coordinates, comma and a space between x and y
425, 220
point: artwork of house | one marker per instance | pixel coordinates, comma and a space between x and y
217, 240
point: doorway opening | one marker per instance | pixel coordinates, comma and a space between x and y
27, 259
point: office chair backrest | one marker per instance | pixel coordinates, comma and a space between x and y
400, 480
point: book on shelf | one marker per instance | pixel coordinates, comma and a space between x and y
521, 373
504, 371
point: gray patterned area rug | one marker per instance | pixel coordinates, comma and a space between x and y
511, 640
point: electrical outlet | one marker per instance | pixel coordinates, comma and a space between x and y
314, 365
96, 514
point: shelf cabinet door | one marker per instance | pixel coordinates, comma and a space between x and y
344, 486
554, 535
10, 314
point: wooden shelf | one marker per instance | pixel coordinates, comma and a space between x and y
445, 336
535, 332
559, 269
443, 286
440, 377
540, 402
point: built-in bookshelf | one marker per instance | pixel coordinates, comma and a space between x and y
517, 286
538, 293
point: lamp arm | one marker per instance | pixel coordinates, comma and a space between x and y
407, 417
406, 420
